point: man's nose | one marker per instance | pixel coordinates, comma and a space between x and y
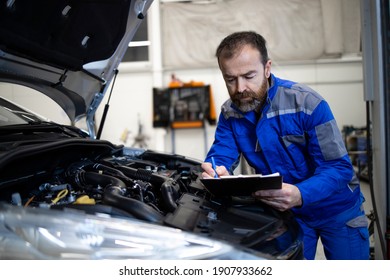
241, 85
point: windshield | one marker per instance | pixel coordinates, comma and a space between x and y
13, 115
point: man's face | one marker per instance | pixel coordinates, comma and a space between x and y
246, 78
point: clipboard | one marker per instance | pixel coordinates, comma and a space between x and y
242, 185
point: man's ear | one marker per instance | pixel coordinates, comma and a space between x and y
267, 68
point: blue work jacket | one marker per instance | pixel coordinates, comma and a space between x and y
296, 135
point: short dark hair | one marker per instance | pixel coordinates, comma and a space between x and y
235, 41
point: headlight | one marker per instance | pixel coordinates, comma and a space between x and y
35, 233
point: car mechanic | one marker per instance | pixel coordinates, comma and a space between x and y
282, 126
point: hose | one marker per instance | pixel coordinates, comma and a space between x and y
168, 187
114, 190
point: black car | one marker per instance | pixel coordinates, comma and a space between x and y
64, 194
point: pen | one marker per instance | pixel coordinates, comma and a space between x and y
214, 167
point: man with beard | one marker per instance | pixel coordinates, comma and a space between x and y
283, 126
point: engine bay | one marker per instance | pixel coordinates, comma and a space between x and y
98, 177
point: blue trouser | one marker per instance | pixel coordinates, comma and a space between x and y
344, 237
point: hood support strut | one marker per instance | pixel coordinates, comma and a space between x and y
106, 107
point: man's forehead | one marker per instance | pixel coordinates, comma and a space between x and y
245, 61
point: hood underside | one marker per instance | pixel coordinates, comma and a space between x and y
67, 49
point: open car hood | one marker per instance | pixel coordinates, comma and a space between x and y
67, 49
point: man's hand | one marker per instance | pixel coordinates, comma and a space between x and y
282, 199
209, 171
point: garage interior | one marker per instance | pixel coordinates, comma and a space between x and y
342, 50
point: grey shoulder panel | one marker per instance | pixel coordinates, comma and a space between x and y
298, 98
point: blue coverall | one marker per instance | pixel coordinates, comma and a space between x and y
297, 136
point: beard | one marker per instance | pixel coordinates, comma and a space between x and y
253, 100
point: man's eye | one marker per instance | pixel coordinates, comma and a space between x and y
230, 80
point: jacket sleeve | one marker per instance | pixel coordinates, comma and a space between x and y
333, 170
224, 148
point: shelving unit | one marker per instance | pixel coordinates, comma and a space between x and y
356, 144
183, 107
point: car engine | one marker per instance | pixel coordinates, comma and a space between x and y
98, 177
